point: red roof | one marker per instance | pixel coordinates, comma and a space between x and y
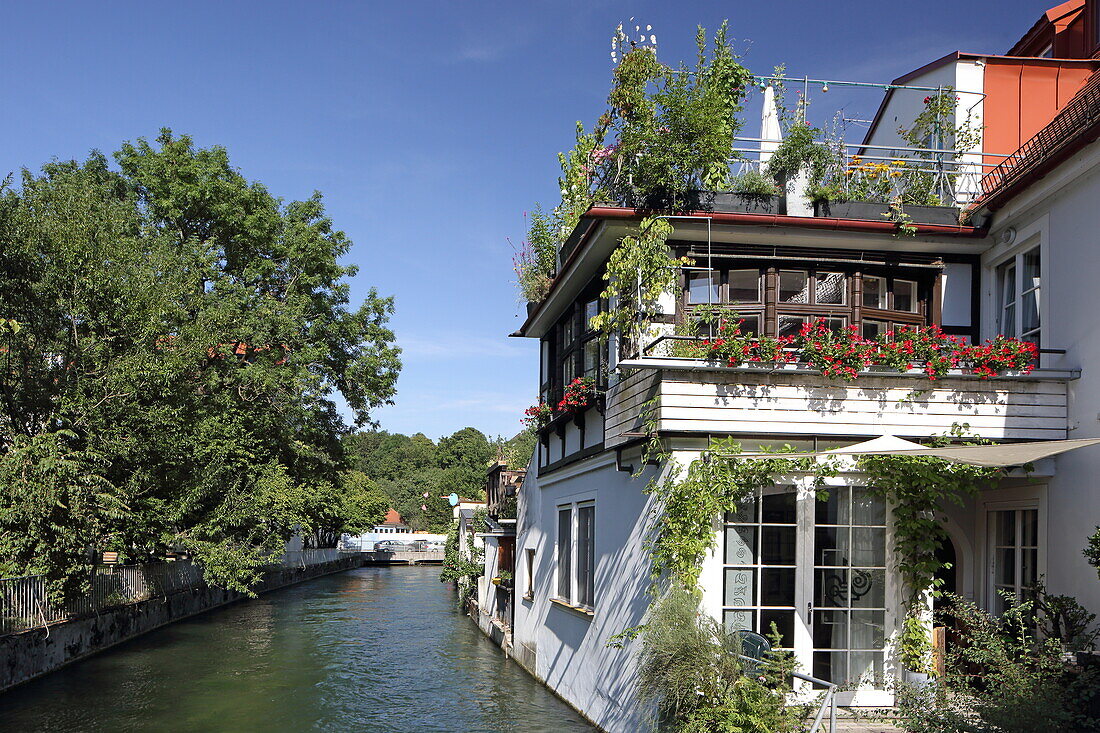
393, 517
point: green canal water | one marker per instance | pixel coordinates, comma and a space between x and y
373, 649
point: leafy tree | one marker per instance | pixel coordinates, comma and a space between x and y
181, 334
464, 456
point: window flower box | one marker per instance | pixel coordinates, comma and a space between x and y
735, 202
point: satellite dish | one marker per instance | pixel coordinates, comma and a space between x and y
453, 499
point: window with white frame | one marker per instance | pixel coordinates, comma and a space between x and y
576, 554
1014, 553
1018, 282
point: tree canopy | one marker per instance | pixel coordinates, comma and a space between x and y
415, 473
172, 336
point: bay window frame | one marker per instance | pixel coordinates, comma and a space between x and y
769, 310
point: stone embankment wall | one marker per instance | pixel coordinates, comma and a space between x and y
34, 653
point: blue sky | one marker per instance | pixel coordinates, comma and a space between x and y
430, 127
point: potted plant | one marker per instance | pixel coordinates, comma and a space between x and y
915, 650
751, 192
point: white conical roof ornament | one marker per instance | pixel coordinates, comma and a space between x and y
769, 126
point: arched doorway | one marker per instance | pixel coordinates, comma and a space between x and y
947, 574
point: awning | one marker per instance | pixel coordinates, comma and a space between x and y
1000, 455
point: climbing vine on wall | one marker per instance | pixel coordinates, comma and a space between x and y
639, 272
718, 481
916, 488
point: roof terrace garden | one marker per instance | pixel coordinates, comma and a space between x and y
672, 141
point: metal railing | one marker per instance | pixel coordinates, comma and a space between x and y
954, 176
25, 602
828, 700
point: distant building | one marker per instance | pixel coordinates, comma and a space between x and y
393, 524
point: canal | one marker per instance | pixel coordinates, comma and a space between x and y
373, 649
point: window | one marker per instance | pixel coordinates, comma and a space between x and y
576, 552
565, 552
573, 349
849, 600
1014, 551
703, 288
1018, 296
529, 566
760, 565
778, 301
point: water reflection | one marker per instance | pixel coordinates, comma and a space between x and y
375, 649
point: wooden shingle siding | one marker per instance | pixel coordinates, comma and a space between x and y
905, 406
625, 403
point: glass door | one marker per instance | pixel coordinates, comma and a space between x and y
761, 573
848, 612
817, 569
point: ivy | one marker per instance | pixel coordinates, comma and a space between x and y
715, 483
639, 272
462, 570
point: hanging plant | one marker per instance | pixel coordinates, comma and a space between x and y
917, 488
715, 483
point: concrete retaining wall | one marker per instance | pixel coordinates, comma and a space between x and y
34, 653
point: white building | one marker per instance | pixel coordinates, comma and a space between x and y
822, 571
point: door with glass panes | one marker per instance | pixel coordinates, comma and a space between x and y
817, 570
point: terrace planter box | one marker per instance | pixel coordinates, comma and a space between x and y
879, 211
733, 202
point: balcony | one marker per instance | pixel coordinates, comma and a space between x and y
682, 395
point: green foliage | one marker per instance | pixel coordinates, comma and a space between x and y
800, 150
715, 483
639, 272
413, 473
914, 647
673, 127
934, 126
753, 183
363, 506
574, 183
1063, 618
182, 334
518, 449
689, 668
917, 487
1002, 677
463, 569
536, 261
1092, 551
55, 506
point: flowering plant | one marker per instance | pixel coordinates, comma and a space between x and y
939, 352
844, 354
1002, 354
578, 395
537, 416
731, 345
841, 353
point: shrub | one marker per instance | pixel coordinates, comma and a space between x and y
1002, 677
689, 668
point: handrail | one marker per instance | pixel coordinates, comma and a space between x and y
828, 700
